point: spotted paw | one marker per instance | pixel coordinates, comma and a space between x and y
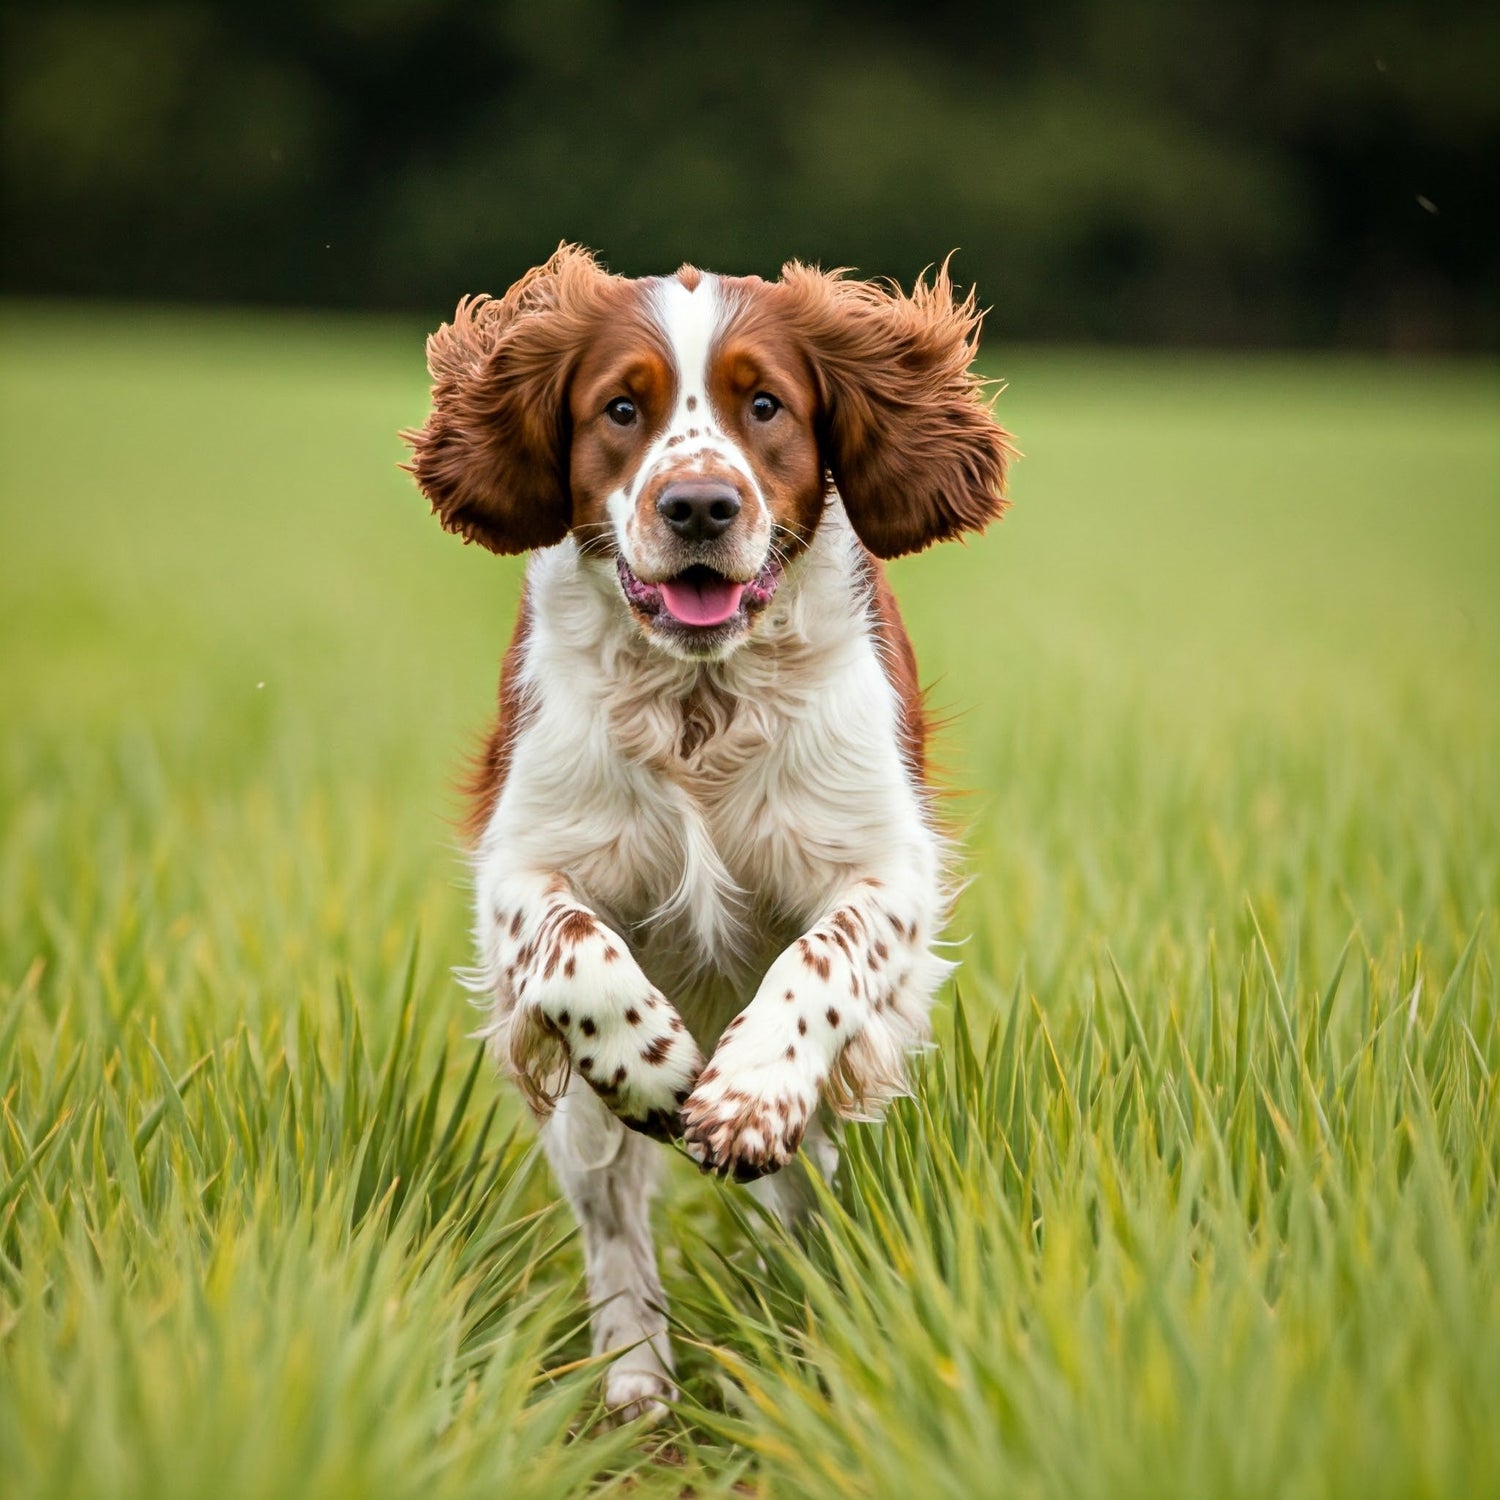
638, 1057
621, 1033
747, 1123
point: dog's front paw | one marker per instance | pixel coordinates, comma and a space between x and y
634, 1051
746, 1122
621, 1033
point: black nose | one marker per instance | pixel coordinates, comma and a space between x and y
698, 510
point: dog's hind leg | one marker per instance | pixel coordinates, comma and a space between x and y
608, 1174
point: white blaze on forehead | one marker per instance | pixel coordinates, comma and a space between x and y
691, 322
693, 439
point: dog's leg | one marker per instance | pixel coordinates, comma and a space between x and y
608, 1174
569, 996
838, 1012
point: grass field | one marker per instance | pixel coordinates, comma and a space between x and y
1201, 1194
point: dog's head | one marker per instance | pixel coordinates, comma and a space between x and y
685, 429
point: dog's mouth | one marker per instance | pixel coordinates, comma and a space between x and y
699, 602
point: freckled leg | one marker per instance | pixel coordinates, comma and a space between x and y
608, 1174
837, 1012
569, 996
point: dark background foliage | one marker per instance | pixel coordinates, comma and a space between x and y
1181, 172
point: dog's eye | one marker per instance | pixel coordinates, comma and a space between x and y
764, 406
621, 411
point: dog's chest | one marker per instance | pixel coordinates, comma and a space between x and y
727, 820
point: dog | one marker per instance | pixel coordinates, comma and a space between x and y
708, 872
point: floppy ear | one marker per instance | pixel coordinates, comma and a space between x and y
906, 431
493, 455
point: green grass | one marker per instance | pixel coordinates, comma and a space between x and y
1198, 1197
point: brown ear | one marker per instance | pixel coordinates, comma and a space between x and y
906, 431
492, 456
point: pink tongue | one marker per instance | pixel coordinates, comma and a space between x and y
705, 601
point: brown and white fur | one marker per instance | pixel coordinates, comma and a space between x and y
708, 875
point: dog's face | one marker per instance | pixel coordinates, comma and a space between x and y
693, 457
684, 429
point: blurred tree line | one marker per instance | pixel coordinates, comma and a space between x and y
1187, 172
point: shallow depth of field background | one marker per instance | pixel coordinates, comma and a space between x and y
1198, 1195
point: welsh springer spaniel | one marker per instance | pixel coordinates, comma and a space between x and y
706, 784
